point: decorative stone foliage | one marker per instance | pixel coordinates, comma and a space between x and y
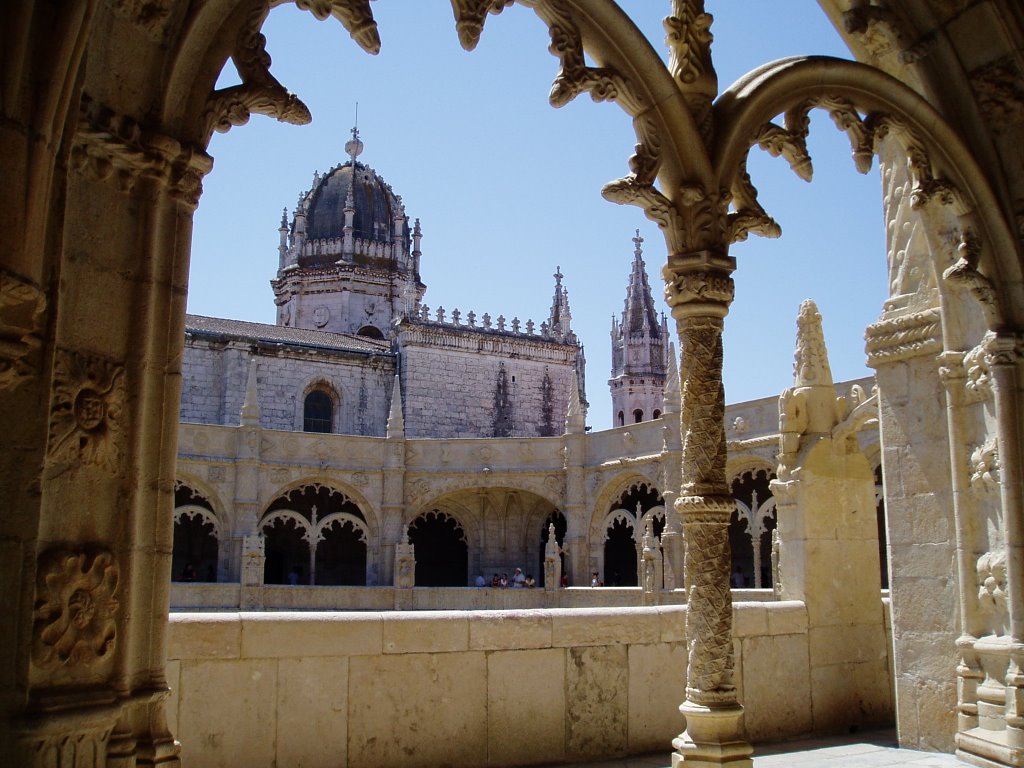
21, 310
76, 608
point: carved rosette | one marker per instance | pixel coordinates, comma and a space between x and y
21, 311
76, 608
87, 409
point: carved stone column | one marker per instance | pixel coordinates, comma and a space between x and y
699, 290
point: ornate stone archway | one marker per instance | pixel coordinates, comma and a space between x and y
93, 304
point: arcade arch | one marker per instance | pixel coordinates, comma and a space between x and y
141, 342
197, 536
315, 534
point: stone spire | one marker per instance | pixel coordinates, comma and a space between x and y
639, 316
396, 422
638, 349
250, 416
560, 318
810, 361
575, 417
671, 392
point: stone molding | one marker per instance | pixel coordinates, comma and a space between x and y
109, 145
904, 338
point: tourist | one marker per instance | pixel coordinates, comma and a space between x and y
594, 581
495, 581
504, 580
530, 583
294, 575
188, 573
518, 579
480, 582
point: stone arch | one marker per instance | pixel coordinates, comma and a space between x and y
367, 511
41, 128
751, 525
938, 153
441, 550
317, 533
199, 536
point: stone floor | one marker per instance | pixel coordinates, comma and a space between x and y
876, 749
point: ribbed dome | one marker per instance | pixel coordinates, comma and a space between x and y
375, 207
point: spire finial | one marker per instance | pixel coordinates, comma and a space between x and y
638, 241
354, 147
558, 276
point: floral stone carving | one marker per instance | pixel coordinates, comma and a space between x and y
76, 606
86, 412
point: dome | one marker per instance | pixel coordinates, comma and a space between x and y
375, 204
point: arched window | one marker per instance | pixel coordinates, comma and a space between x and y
656, 414
638, 416
370, 332
622, 419
318, 412
442, 555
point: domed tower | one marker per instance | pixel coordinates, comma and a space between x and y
639, 351
349, 262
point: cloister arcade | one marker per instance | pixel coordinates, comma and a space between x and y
108, 108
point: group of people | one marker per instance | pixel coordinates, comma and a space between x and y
502, 581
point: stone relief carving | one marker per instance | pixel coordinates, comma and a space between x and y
216, 474
21, 312
965, 273
703, 407
259, 90
999, 89
86, 411
76, 608
978, 375
118, 147
991, 569
985, 469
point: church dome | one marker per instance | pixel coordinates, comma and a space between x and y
376, 212
375, 205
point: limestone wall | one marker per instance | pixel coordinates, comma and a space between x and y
463, 688
214, 382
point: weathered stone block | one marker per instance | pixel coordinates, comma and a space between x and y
310, 634
519, 730
418, 709
312, 713
657, 686
512, 629
596, 701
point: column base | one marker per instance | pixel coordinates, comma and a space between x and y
713, 737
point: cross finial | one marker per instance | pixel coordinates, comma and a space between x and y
558, 275
354, 147
638, 241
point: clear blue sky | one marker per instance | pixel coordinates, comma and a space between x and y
507, 188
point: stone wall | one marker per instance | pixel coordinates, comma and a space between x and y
463, 688
450, 379
214, 377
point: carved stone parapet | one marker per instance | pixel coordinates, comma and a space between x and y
86, 412
21, 314
118, 147
76, 609
904, 338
